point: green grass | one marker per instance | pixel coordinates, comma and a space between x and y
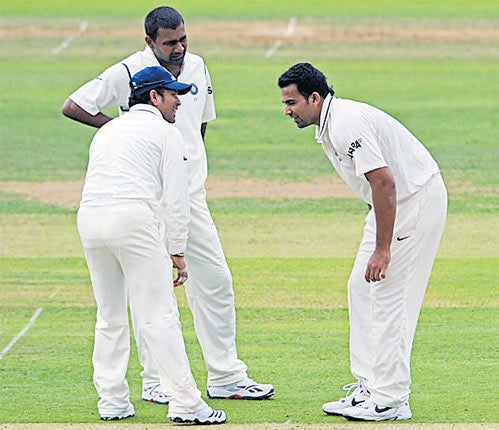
290, 258
16, 204
256, 8
307, 344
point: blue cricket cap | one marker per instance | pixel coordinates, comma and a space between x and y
156, 77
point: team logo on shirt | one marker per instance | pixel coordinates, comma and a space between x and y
354, 146
194, 89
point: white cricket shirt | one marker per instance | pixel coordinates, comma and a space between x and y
111, 89
358, 138
140, 157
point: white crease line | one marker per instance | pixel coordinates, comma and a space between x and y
64, 44
21, 333
55, 293
291, 26
290, 30
274, 48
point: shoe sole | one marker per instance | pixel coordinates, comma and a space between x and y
239, 397
116, 418
196, 421
338, 413
381, 419
335, 414
154, 401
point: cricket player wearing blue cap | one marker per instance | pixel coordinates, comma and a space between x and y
209, 289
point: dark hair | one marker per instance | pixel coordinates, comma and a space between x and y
307, 78
162, 17
144, 97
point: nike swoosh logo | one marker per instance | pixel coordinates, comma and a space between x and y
381, 410
355, 402
402, 238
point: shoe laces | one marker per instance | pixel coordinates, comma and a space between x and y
246, 383
350, 388
243, 384
156, 390
353, 387
153, 388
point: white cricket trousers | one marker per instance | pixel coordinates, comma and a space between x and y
210, 297
126, 257
383, 315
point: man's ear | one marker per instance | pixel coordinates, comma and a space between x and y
149, 42
315, 97
155, 97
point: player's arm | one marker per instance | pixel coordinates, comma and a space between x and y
204, 125
175, 201
108, 90
75, 112
175, 197
209, 112
385, 206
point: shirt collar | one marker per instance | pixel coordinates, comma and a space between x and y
327, 106
151, 56
146, 108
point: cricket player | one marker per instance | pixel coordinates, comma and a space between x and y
389, 168
136, 190
209, 288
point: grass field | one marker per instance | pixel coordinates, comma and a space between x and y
433, 65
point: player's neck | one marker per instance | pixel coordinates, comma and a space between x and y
174, 70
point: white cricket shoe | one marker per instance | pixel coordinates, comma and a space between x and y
129, 412
204, 416
370, 411
155, 394
245, 389
359, 395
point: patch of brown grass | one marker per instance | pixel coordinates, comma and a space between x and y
67, 194
265, 32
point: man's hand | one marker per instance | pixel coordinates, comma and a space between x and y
181, 266
376, 267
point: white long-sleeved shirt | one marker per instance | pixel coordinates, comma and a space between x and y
111, 89
359, 138
140, 156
